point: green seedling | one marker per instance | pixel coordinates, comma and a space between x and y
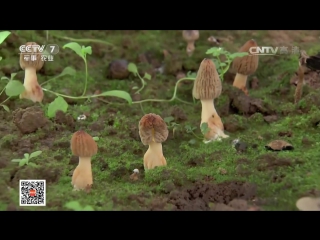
26, 159
96, 139
59, 104
12, 89
83, 40
133, 69
83, 51
75, 206
191, 129
204, 128
3, 36
223, 67
172, 125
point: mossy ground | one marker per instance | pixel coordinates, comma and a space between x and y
281, 178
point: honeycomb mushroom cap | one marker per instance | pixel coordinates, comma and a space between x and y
190, 35
37, 64
207, 84
152, 128
246, 65
83, 145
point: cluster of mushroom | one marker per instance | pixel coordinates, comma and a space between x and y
243, 66
207, 87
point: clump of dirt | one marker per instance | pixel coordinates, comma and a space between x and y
272, 161
50, 174
201, 194
177, 113
29, 120
118, 69
234, 205
64, 119
311, 99
241, 103
233, 124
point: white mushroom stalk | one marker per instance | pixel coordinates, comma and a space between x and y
154, 154
84, 170
33, 90
208, 110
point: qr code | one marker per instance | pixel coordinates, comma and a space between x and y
32, 193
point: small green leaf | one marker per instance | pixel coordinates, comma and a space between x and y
191, 74
204, 128
216, 63
168, 119
238, 54
13, 75
16, 160
5, 78
96, 139
75, 47
223, 64
4, 35
31, 164
135, 87
88, 208
87, 50
35, 154
14, 88
26, 155
117, 93
211, 50
23, 162
147, 76
73, 205
192, 141
216, 51
0, 58
5, 107
132, 68
58, 104
67, 71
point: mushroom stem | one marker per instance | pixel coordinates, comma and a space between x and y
154, 156
240, 81
208, 110
190, 47
30, 76
209, 115
33, 91
82, 176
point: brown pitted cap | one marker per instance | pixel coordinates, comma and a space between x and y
152, 128
246, 65
207, 84
190, 35
25, 59
83, 145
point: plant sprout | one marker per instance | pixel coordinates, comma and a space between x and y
12, 89
75, 206
3, 36
26, 159
133, 69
